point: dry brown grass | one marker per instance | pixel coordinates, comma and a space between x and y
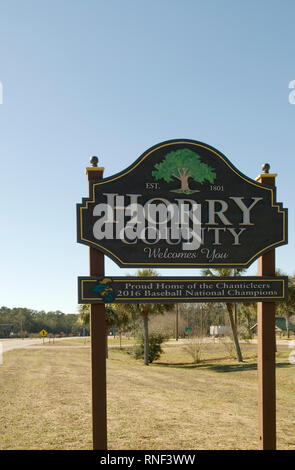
45, 400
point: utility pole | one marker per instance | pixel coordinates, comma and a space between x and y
176, 323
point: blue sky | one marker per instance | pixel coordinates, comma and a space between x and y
112, 78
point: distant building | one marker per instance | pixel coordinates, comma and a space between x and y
280, 326
220, 330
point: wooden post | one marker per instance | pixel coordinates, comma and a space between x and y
98, 339
267, 347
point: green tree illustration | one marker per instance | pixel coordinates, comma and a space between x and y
183, 164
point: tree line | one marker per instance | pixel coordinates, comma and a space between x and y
23, 321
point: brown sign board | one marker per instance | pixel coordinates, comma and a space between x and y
181, 204
184, 289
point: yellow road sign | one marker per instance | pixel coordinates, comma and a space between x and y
43, 333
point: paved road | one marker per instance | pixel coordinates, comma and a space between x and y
18, 343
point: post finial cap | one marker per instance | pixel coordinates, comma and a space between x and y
265, 167
94, 161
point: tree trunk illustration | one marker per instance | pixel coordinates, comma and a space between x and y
184, 183
183, 176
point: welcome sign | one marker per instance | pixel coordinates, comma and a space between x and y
181, 204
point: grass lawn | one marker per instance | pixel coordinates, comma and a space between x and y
172, 404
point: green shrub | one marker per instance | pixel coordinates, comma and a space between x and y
155, 350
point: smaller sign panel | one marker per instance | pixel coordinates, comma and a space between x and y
93, 290
43, 333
